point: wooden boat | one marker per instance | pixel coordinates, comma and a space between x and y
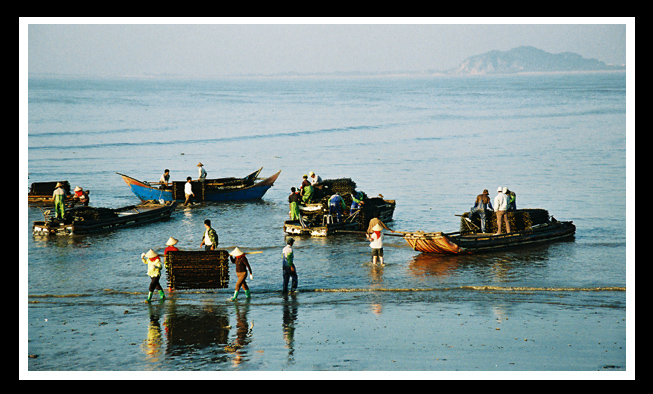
41, 192
221, 189
471, 243
317, 222
84, 220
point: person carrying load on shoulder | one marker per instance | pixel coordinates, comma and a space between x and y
242, 265
376, 221
376, 243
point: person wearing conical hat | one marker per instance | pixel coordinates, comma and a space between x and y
376, 243
242, 265
81, 196
202, 172
153, 261
170, 247
58, 197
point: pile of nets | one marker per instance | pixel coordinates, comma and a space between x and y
88, 213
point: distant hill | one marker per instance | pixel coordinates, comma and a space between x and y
528, 59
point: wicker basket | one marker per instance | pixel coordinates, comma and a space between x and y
197, 269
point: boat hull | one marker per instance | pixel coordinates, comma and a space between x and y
203, 191
132, 215
457, 243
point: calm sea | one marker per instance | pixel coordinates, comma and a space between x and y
432, 144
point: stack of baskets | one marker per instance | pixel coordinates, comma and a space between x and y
197, 269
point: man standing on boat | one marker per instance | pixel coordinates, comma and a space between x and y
481, 205
501, 206
210, 237
165, 179
58, 197
202, 172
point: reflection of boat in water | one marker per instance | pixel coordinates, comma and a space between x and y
83, 220
221, 189
461, 243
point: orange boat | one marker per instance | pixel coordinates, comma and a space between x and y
470, 243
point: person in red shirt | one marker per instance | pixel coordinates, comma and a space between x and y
170, 246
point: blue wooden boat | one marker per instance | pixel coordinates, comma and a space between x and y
221, 189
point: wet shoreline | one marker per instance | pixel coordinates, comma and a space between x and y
330, 331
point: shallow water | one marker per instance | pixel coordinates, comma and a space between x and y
432, 144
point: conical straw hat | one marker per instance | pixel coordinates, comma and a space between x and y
236, 252
171, 241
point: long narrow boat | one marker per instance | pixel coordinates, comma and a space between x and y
461, 243
83, 220
222, 189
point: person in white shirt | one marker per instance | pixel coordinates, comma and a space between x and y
288, 266
500, 208
165, 179
376, 243
188, 190
314, 179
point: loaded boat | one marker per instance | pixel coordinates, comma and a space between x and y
316, 220
83, 220
220, 189
468, 241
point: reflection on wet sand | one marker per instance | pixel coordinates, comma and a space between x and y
290, 309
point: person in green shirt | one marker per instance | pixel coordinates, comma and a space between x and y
58, 197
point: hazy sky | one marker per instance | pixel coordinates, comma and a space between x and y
134, 47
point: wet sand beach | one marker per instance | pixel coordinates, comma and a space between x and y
387, 330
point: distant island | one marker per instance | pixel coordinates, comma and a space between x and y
527, 59
523, 59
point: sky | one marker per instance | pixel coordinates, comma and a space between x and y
132, 47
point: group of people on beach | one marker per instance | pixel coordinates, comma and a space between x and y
210, 242
236, 256
504, 201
